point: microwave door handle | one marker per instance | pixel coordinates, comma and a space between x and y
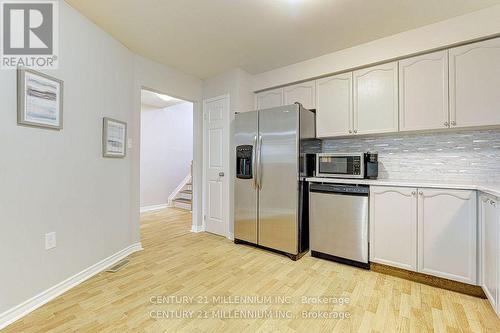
254, 171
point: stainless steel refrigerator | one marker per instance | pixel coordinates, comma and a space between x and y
271, 199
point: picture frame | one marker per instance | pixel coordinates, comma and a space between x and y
39, 100
114, 138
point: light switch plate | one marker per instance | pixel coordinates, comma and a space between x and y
50, 240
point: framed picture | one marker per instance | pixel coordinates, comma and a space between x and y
114, 137
39, 100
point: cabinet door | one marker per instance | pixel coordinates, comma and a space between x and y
269, 99
334, 105
376, 99
447, 229
490, 254
423, 92
474, 82
393, 226
304, 93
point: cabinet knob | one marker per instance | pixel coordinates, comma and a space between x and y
355, 131
421, 193
350, 131
493, 203
446, 124
453, 123
413, 193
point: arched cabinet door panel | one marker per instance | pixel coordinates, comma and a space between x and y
269, 99
447, 231
303, 93
393, 226
376, 99
334, 106
474, 84
423, 92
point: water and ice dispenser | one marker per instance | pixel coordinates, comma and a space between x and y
244, 162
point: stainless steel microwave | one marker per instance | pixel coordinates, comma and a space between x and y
338, 165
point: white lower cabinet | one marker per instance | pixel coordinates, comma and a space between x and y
490, 249
393, 226
431, 231
447, 231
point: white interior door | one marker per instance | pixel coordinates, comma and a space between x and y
216, 169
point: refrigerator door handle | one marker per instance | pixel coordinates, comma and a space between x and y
254, 152
259, 164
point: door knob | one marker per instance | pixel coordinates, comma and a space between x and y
221, 174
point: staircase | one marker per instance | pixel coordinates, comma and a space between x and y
182, 197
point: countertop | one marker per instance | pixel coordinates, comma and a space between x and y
488, 188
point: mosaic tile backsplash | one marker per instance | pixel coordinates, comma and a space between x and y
449, 156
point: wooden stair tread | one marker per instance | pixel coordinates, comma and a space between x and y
183, 200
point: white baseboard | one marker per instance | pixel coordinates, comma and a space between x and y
153, 208
197, 228
21, 310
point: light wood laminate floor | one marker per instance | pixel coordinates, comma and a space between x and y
176, 262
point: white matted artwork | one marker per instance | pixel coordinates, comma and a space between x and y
114, 136
39, 100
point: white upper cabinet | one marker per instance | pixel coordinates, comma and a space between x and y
269, 99
423, 92
474, 84
490, 249
334, 106
447, 230
393, 226
376, 99
304, 93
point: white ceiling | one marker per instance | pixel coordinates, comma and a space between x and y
153, 99
207, 37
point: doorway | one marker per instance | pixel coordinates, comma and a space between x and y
166, 153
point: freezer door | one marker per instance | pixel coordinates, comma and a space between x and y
245, 191
278, 178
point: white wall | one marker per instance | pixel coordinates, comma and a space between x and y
238, 85
58, 181
460, 29
166, 151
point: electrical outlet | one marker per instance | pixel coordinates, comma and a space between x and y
50, 240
